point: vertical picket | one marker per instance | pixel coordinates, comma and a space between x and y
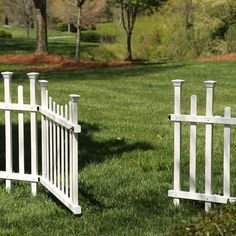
62, 155
47, 137
227, 154
74, 119
209, 85
43, 84
70, 152
21, 132
58, 152
50, 142
33, 126
54, 149
177, 136
66, 151
193, 145
8, 125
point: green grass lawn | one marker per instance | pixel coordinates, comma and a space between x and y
125, 151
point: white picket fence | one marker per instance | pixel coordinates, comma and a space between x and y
209, 120
59, 133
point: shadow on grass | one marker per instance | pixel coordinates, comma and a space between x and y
90, 150
133, 71
19, 45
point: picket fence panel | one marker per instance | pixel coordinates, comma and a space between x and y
209, 120
59, 141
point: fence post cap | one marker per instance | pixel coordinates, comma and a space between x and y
210, 83
177, 82
74, 97
7, 74
43, 83
33, 75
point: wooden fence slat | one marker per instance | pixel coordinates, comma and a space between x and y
227, 154
193, 145
209, 140
21, 132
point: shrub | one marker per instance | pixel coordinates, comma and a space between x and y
94, 37
63, 26
5, 34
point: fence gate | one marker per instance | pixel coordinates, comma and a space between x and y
209, 119
59, 133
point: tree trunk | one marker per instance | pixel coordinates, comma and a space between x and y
77, 53
129, 47
27, 29
68, 28
41, 26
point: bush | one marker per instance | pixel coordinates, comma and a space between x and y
94, 37
5, 34
63, 26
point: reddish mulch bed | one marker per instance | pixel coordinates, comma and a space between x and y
224, 57
51, 62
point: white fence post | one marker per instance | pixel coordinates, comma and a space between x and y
8, 127
209, 85
33, 125
74, 120
193, 145
227, 154
177, 136
43, 84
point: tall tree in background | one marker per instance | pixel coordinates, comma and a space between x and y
20, 12
129, 11
40, 8
79, 4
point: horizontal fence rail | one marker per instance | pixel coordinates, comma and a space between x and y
59, 142
209, 120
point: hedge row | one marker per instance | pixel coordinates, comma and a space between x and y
5, 34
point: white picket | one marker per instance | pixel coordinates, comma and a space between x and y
62, 155
8, 125
177, 136
21, 132
209, 85
74, 119
193, 145
227, 155
33, 128
66, 152
54, 149
70, 152
58, 152
47, 137
50, 143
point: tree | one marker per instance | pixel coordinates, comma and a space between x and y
20, 12
40, 9
79, 4
129, 11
